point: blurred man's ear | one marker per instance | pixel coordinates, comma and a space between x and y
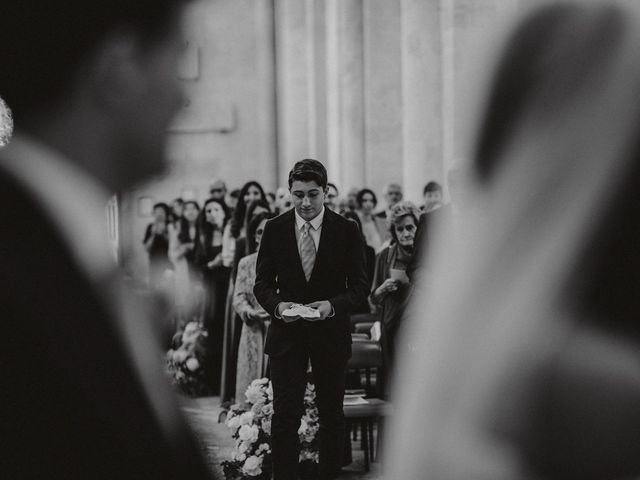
115, 72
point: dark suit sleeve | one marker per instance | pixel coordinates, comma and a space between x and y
357, 282
266, 287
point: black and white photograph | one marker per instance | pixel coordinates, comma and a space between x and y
320, 239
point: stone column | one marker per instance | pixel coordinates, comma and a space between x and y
422, 91
292, 84
345, 97
266, 99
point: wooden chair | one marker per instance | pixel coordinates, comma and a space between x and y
366, 356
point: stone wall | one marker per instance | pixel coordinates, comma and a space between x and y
380, 90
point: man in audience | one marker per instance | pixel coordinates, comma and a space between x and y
218, 190
331, 198
432, 195
392, 193
92, 87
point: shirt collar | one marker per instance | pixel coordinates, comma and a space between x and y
70, 196
316, 223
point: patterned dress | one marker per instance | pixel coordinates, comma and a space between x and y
251, 362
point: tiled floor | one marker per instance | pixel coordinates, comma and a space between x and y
202, 414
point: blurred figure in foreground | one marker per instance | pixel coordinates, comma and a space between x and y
156, 243
527, 347
84, 394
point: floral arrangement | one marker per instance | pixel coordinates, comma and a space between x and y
250, 425
185, 361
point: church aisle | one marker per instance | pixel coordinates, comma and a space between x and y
202, 414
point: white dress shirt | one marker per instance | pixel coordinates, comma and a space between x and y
314, 231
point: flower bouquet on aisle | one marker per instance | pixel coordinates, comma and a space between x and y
250, 425
185, 361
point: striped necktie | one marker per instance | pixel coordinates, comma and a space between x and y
307, 250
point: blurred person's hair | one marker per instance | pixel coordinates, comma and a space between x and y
360, 197
239, 214
43, 45
431, 187
207, 228
183, 235
333, 185
253, 226
309, 170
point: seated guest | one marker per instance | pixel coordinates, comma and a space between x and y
370, 261
391, 287
232, 199
374, 228
392, 193
156, 243
251, 364
331, 198
432, 195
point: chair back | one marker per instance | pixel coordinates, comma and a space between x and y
365, 355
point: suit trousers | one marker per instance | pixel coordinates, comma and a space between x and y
289, 379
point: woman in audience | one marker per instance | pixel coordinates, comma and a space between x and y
182, 247
526, 358
370, 263
216, 282
250, 192
374, 229
251, 362
156, 242
391, 288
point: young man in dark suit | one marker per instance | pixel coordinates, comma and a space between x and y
313, 257
92, 87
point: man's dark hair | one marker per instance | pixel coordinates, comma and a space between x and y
44, 44
333, 185
235, 193
431, 187
308, 170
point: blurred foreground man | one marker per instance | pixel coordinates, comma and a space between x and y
92, 87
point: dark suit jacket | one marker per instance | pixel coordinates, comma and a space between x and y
75, 402
339, 276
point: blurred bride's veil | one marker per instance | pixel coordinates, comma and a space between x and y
559, 139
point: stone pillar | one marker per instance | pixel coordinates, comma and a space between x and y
266, 97
292, 84
345, 92
422, 89
383, 93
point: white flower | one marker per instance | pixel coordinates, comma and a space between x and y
180, 375
247, 418
267, 409
252, 466
254, 393
241, 457
270, 392
191, 327
179, 356
233, 422
303, 427
170, 355
248, 433
264, 447
261, 381
193, 364
243, 447
266, 426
